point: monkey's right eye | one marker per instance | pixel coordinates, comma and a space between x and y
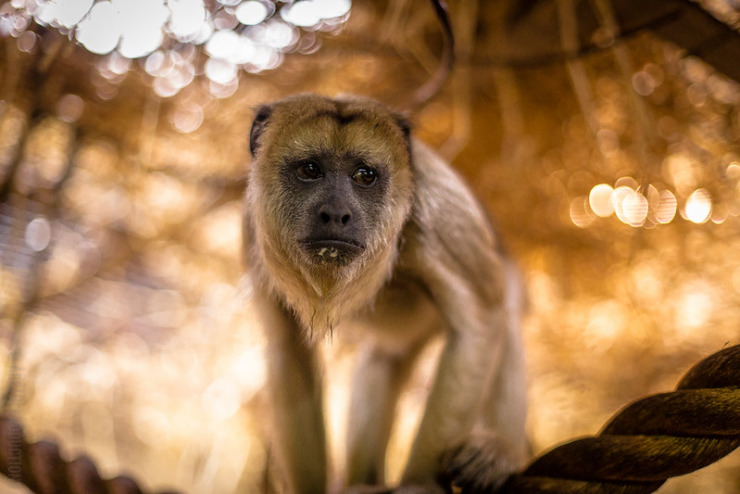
309, 170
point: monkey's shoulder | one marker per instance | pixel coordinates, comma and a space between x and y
442, 196
446, 217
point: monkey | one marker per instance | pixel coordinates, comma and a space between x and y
351, 221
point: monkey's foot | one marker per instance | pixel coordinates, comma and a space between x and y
482, 464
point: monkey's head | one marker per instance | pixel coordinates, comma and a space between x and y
329, 190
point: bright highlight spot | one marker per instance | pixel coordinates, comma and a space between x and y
100, 31
698, 206
600, 200
141, 34
301, 14
64, 12
331, 9
249, 35
186, 18
69, 108
635, 209
220, 71
251, 13
630, 206
38, 234
135, 44
667, 206
311, 12
279, 35
121, 21
223, 44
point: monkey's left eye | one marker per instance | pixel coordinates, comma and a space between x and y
364, 176
309, 170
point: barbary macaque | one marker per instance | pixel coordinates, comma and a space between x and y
351, 222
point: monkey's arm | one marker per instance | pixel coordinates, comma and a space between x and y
453, 250
295, 394
464, 374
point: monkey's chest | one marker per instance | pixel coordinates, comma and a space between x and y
402, 316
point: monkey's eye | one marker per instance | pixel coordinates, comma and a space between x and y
309, 170
364, 176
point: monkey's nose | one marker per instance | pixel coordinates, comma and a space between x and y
333, 214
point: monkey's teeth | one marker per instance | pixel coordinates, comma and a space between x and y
333, 253
322, 251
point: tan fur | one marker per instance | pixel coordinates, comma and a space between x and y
431, 263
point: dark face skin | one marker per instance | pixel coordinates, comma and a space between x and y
335, 198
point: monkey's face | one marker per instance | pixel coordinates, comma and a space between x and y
339, 195
335, 201
333, 180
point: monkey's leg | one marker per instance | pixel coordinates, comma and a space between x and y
295, 392
376, 384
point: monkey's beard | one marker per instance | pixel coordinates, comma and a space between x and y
321, 289
332, 278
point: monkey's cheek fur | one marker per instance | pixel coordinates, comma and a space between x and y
332, 252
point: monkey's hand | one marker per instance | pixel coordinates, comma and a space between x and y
482, 464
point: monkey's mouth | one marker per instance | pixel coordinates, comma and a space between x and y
332, 250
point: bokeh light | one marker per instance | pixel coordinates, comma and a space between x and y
252, 12
38, 234
188, 19
70, 107
64, 13
638, 206
600, 200
100, 31
630, 206
308, 13
698, 208
249, 35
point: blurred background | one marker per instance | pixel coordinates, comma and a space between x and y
604, 138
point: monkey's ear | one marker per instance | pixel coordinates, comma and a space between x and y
258, 125
405, 125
